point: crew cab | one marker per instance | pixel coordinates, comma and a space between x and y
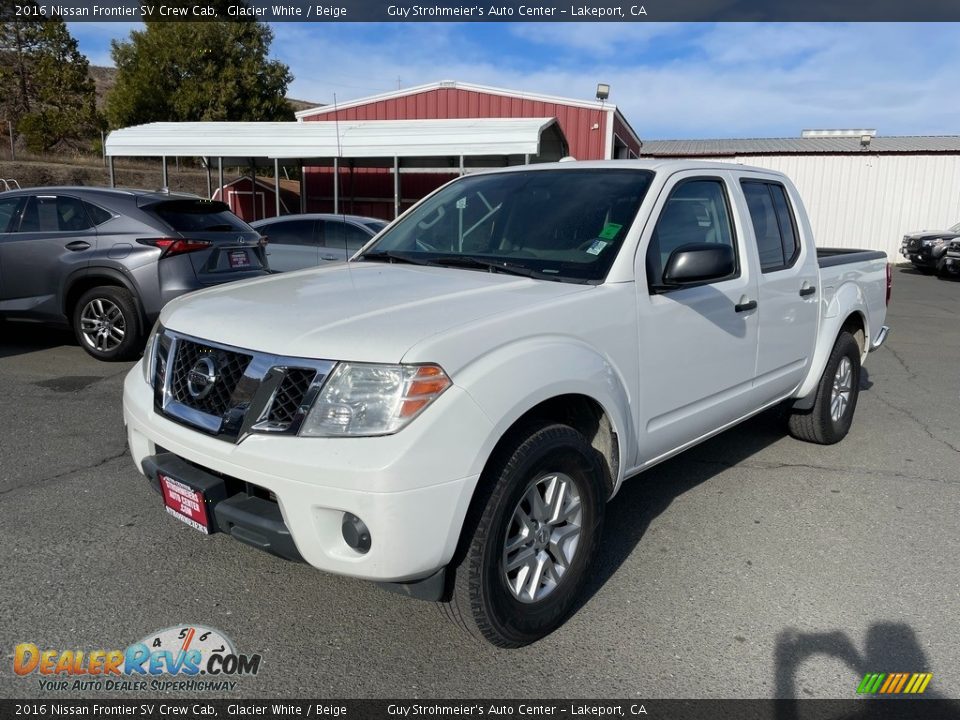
448, 413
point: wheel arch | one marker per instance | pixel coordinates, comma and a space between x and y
855, 322
88, 278
576, 386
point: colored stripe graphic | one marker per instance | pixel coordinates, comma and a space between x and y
871, 683
894, 683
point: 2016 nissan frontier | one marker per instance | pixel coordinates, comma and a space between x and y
448, 413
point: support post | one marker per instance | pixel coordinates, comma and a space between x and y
303, 189
276, 186
220, 178
113, 181
396, 187
163, 159
336, 186
253, 185
13, 153
461, 166
206, 164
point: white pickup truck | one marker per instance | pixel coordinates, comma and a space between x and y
448, 413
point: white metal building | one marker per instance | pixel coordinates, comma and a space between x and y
860, 190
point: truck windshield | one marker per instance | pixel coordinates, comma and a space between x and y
565, 225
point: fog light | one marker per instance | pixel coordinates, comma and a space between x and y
355, 533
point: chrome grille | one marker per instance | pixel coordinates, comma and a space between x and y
289, 396
230, 367
230, 392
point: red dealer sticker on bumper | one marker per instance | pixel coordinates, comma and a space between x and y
185, 503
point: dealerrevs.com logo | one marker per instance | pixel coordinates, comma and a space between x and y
183, 657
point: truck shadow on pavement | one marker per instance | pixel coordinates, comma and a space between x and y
20, 338
644, 497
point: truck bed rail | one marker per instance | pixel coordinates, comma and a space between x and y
828, 257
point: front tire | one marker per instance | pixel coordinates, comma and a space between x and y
530, 537
829, 420
106, 323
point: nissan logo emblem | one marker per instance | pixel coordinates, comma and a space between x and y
202, 377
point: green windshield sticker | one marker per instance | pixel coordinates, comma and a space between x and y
610, 231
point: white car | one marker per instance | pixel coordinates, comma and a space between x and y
449, 413
295, 242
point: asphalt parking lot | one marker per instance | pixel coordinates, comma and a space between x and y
752, 566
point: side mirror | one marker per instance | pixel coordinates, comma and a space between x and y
698, 263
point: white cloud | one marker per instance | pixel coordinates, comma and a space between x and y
726, 80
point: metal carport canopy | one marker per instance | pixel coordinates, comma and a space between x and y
330, 139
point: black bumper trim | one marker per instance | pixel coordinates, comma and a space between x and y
432, 588
249, 519
257, 522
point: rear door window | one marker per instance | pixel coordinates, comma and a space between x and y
773, 225
49, 213
340, 235
376, 225
198, 216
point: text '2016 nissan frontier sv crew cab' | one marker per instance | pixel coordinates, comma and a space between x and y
448, 413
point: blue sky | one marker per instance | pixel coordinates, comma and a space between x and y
682, 80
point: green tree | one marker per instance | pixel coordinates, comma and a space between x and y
189, 71
45, 84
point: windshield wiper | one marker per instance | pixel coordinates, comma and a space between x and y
465, 261
504, 266
391, 257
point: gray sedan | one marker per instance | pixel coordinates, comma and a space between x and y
303, 241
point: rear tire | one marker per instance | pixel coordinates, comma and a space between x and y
107, 324
529, 538
829, 420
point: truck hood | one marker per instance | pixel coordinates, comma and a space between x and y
365, 312
928, 234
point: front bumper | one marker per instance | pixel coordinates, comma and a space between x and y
951, 262
411, 489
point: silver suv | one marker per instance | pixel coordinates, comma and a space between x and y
106, 261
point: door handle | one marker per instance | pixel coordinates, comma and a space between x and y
745, 306
329, 257
809, 290
77, 245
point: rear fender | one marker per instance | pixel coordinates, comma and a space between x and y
847, 301
106, 276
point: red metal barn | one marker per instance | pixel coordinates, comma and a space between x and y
594, 131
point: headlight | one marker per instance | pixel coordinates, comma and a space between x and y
149, 354
361, 399
932, 241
